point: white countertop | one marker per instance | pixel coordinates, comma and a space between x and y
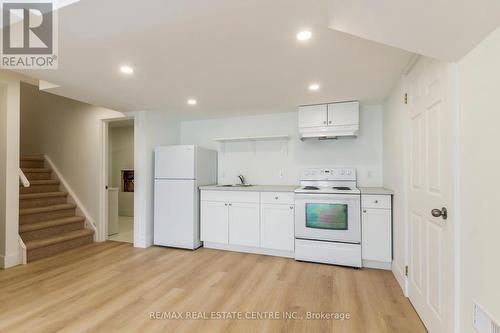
376, 190
255, 188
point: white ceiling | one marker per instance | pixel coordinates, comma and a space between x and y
233, 56
443, 29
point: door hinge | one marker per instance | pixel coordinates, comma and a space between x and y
406, 98
406, 270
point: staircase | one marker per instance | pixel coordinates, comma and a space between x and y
48, 223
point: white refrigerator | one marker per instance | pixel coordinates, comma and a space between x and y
179, 171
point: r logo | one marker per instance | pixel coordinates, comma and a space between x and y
27, 28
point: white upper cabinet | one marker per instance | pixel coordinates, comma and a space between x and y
329, 120
343, 114
313, 115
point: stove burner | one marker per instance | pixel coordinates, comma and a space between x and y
342, 188
311, 188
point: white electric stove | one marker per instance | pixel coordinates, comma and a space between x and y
328, 217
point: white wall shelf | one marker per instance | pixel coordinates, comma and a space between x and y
254, 138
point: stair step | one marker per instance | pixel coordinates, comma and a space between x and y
30, 196
37, 173
34, 200
39, 214
35, 170
34, 157
48, 246
50, 228
43, 182
50, 223
32, 161
40, 186
29, 211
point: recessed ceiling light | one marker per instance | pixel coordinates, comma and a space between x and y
304, 35
192, 101
314, 86
126, 69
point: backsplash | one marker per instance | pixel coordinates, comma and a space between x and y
280, 162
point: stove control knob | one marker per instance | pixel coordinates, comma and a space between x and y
342, 172
348, 172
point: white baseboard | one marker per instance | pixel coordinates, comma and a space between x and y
377, 264
89, 221
23, 252
10, 260
141, 242
249, 249
400, 276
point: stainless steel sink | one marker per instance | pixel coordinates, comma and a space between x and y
235, 185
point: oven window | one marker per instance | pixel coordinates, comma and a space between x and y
326, 216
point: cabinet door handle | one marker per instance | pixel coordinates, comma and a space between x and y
324, 122
275, 198
330, 122
364, 211
291, 207
376, 201
230, 204
225, 204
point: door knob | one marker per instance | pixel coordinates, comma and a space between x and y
443, 212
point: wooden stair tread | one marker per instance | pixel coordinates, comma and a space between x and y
43, 182
52, 208
42, 195
49, 223
64, 237
36, 170
32, 158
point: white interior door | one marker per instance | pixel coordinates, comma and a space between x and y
431, 279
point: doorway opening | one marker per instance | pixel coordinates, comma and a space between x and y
120, 180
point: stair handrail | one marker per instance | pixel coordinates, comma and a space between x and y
23, 179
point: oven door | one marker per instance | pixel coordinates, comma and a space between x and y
329, 217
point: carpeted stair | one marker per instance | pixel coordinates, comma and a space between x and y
48, 223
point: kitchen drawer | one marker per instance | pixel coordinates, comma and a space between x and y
231, 196
277, 197
376, 201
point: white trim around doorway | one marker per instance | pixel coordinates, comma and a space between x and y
102, 223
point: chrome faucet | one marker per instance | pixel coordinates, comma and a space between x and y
242, 179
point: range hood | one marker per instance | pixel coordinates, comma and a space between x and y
328, 133
329, 121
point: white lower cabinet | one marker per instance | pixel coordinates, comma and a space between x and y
277, 227
248, 225
244, 226
377, 234
214, 222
